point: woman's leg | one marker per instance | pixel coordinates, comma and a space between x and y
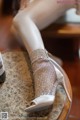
38, 15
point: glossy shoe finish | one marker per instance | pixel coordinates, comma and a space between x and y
62, 77
41, 103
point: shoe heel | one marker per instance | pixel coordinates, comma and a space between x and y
65, 88
64, 79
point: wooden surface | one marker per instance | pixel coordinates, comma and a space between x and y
67, 25
62, 30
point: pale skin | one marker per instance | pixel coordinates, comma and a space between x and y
36, 16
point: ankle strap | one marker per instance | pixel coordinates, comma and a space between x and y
38, 54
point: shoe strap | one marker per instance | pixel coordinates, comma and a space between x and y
38, 54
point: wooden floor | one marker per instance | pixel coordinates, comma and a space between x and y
72, 68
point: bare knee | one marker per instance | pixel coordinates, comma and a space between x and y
22, 18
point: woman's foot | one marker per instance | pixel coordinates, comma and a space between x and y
46, 79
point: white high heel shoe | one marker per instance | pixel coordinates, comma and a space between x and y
46, 100
41, 103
